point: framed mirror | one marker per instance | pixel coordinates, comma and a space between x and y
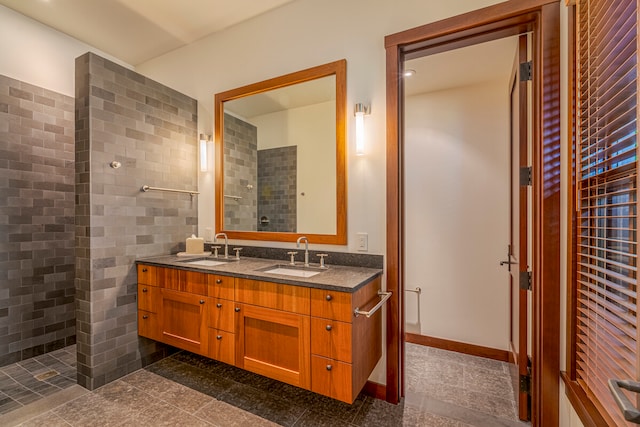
281, 158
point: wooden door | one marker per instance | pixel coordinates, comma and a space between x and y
274, 343
518, 262
183, 320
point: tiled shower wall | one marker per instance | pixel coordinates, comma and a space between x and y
277, 184
240, 171
37, 310
151, 130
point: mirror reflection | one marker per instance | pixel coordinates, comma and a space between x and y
280, 160
280, 157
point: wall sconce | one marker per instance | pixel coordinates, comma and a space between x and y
204, 152
360, 111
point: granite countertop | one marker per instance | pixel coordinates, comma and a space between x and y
335, 277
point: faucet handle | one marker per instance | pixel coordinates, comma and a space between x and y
237, 253
293, 257
322, 256
215, 251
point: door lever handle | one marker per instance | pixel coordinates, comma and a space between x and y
508, 262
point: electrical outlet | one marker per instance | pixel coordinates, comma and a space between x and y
362, 241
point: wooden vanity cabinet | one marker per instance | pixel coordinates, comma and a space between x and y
148, 303
221, 318
302, 336
344, 348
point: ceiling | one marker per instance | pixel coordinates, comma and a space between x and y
138, 30
485, 62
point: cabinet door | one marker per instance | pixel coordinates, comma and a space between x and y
149, 325
331, 338
273, 343
331, 304
183, 320
332, 378
148, 298
147, 275
222, 346
221, 314
221, 286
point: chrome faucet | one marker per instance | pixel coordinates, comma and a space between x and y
226, 243
306, 249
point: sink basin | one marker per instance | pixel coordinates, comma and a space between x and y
205, 262
291, 271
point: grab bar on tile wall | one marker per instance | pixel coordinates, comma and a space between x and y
146, 188
384, 296
236, 198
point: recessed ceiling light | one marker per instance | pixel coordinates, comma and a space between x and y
409, 73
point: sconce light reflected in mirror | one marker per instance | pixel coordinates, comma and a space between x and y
360, 111
204, 152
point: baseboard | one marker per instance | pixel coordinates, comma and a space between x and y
460, 347
379, 391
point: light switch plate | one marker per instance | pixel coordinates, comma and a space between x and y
362, 241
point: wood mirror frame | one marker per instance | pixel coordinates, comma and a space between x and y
337, 69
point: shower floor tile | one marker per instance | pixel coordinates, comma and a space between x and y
29, 380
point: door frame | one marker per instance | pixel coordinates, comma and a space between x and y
542, 18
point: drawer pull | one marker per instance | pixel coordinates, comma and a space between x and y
218, 337
201, 301
328, 327
329, 367
218, 281
219, 305
144, 270
144, 289
237, 309
328, 297
145, 316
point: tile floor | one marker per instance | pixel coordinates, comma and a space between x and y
443, 389
32, 379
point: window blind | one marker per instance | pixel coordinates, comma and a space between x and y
606, 252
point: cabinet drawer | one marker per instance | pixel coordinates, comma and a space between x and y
273, 295
332, 339
147, 275
330, 304
332, 378
221, 314
148, 298
222, 346
192, 282
221, 286
149, 325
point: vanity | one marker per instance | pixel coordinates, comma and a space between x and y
321, 332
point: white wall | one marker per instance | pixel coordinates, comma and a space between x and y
40, 55
300, 35
306, 128
457, 213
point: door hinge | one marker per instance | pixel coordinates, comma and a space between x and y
526, 71
525, 280
525, 175
525, 384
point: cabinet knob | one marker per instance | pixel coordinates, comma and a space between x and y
328, 327
219, 305
144, 289
328, 297
237, 309
218, 337
144, 270
201, 301
145, 316
218, 281
329, 367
